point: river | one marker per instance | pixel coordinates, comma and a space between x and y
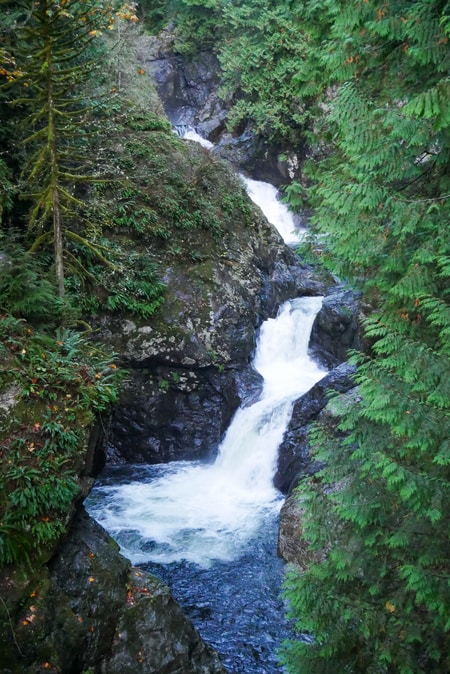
210, 530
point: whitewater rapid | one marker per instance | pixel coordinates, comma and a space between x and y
205, 512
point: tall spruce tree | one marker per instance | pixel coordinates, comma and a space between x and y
377, 598
53, 59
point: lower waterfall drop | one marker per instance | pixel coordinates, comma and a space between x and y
204, 512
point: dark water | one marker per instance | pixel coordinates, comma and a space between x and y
236, 606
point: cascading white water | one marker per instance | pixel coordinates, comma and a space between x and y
190, 134
265, 195
278, 214
210, 531
201, 513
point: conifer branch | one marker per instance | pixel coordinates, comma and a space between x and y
90, 246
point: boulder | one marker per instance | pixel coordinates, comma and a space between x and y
92, 611
294, 458
292, 546
251, 154
153, 634
336, 328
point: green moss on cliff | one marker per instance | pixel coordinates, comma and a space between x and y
170, 202
51, 388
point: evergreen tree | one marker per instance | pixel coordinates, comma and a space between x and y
260, 57
377, 599
197, 22
52, 54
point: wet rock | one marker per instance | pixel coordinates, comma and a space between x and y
153, 635
292, 546
187, 86
251, 154
89, 579
91, 610
289, 279
294, 458
173, 414
249, 384
336, 328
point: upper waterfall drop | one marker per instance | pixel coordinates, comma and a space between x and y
190, 134
264, 195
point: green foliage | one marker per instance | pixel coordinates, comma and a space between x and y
53, 58
154, 14
26, 290
260, 47
377, 598
197, 21
134, 203
260, 58
6, 188
56, 386
50, 55
132, 286
198, 24
185, 208
149, 216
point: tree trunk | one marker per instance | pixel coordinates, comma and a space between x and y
59, 246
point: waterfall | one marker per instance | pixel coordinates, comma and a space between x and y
201, 513
266, 196
210, 530
263, 194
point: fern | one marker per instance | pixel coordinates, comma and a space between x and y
26, 290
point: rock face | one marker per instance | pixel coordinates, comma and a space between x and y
189, 366
336, 328
292, 545
187, 86
94, 611
294, 460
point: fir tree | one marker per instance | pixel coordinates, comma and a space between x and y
379, 598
